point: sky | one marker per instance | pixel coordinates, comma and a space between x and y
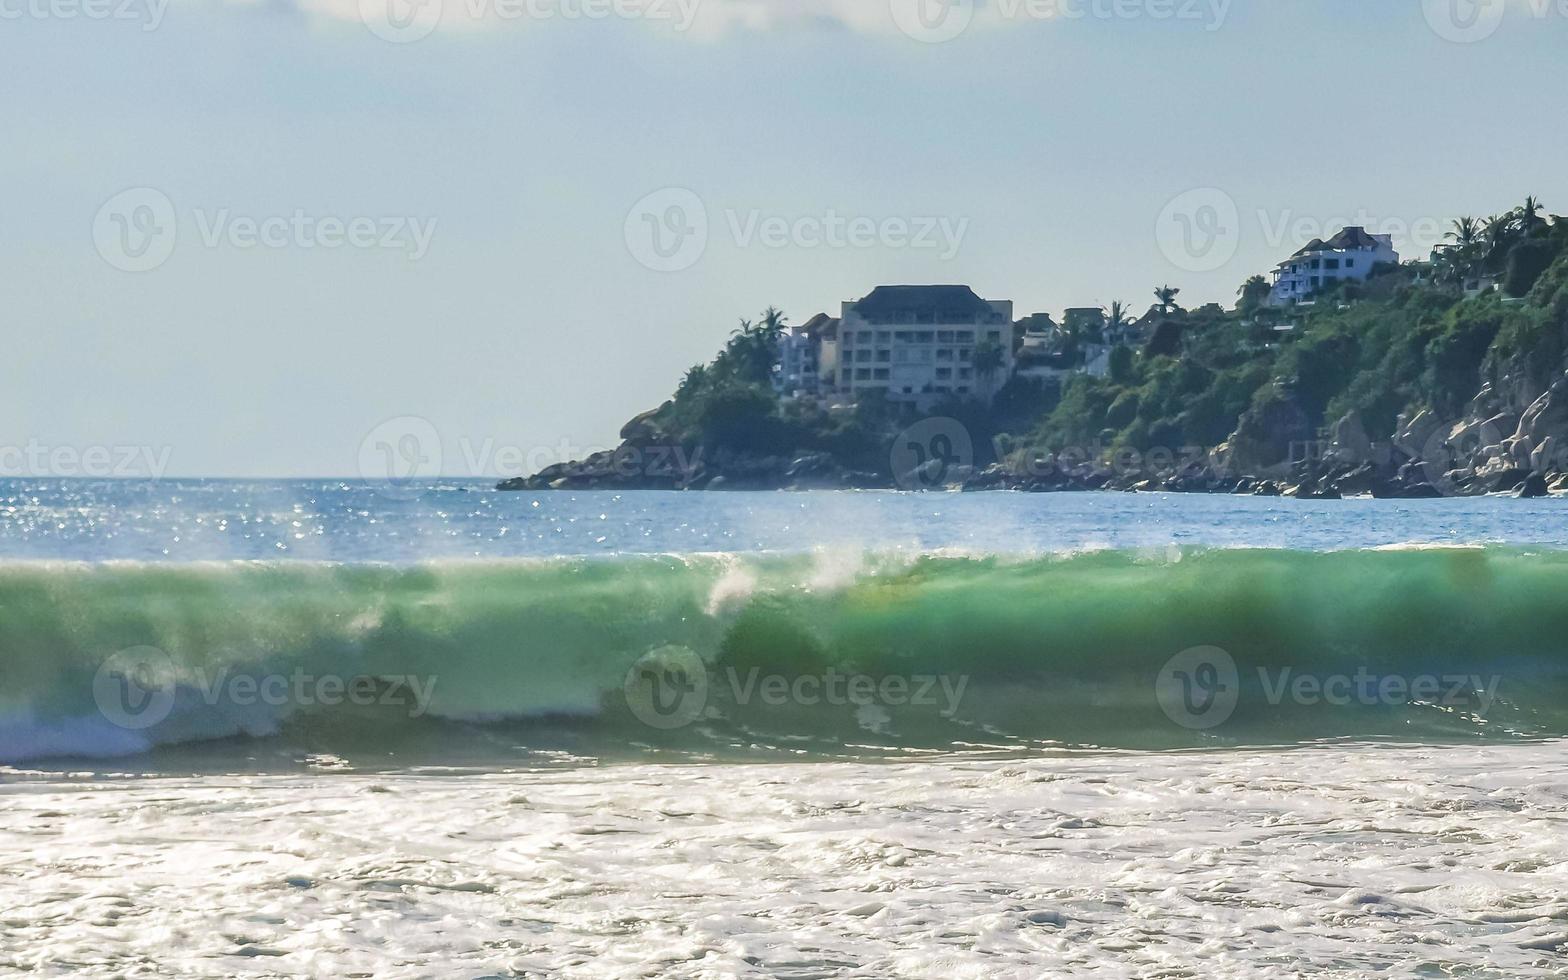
296, 238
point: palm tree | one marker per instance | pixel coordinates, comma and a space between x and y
1459, 259
1466, 232
1167, 297
1253, 292
1116, 316
1499, 239
772, 323
1529, 215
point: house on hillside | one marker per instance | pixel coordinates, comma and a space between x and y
916, 345
1350, 255
799, 370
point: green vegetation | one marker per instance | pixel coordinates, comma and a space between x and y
1492, 306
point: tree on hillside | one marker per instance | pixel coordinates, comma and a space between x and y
772, 322
1117, 318
1167, 297
1528, 215
1254, 292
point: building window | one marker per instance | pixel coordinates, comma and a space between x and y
965, 354
923, 337
966, 336
901, 356
883, 336
881, 374
944, 336
964, 374
1350, 263
884, 355
944, 353
994, 336
862, 374
944, 373
963, 389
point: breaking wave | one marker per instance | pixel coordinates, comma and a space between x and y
114, 659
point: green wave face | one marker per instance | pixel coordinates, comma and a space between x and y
814, 653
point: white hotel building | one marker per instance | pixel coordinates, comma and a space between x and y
1351, 254
916, 344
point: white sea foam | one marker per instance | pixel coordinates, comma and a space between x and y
1342, 861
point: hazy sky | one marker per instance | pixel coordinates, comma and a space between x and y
238, 239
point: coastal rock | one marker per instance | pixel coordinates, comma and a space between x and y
1350, 442
1533, 486
642, 428
1266, 432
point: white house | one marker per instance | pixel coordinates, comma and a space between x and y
1351, 254
916, 344
800, 355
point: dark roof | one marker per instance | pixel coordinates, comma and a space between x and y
887, 301
829, 330
1353, 237
815, 324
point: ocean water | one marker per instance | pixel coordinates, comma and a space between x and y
317, 728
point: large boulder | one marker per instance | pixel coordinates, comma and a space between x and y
642, 428
1533, 486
